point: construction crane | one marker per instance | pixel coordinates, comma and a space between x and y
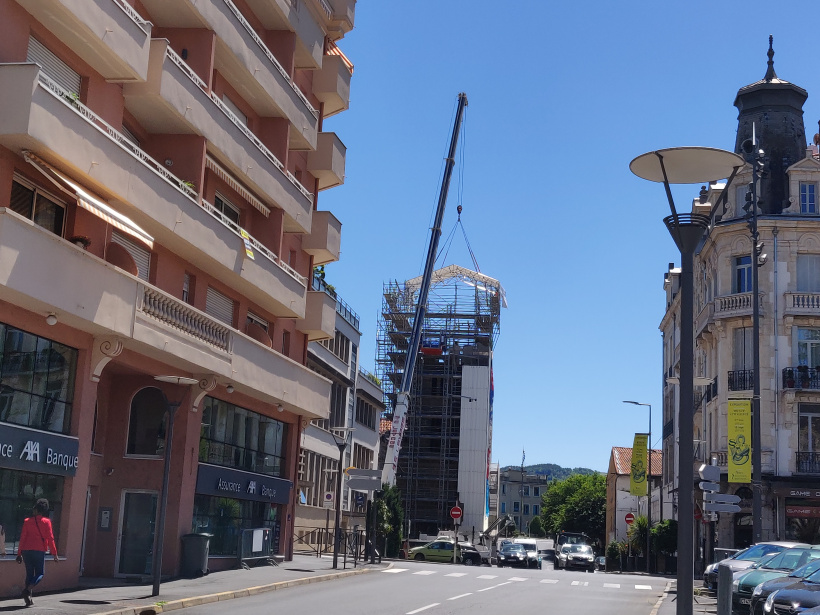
391, 459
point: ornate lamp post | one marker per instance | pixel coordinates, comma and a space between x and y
686, 165
341, 442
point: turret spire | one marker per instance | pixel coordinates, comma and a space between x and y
770, 74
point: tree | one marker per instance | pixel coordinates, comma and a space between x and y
665, 537
636, 534
390, 519
576, 504
536, 527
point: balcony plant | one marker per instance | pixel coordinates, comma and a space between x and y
790, 378
80, 240
803, 370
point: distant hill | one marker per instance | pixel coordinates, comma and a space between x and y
552, 470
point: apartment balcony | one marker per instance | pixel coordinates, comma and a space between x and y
327, 163
807, 463
320, 316
741, 380
740, 304
331, 85
802, 304
801, 377
107, 34
282, 15
324, 241
40, 117
39, 272
766, 461
342, 14
175, 100
247, 63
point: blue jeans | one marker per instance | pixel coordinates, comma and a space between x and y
34, 562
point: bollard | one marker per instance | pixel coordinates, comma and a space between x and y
724, 596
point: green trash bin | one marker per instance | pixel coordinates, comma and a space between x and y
195, 555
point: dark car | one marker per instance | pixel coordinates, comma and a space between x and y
745, 559
512, 555
765, 589
795, 598
772, 567
469, 554
579, 556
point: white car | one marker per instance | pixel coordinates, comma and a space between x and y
561, 558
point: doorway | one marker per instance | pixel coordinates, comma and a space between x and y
136, 538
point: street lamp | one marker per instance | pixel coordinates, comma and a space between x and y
686, 165
648, 486
159, 538
341, 442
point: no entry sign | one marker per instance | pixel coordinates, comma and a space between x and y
455, 512
629, 518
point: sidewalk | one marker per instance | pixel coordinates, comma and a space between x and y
705, 603
114, 598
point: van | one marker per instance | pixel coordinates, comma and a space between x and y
570, 538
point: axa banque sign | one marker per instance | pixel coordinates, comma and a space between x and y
32, 450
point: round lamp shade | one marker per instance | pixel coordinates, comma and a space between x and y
686, 165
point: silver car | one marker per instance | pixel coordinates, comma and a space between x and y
745, 559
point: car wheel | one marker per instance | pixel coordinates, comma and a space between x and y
500, 565
419, 557
468, 561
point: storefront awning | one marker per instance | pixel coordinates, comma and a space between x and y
88, 201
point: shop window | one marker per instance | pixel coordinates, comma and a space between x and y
225, 518
37, 205
18, 493
146, 427
36, 380
235, 437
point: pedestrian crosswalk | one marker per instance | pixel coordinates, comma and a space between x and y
490, 577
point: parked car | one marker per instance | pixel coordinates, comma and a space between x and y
579, 556
765, 589
600, 562
795, 598
468, 554
745, 558
513, 555
561, 558
771, 567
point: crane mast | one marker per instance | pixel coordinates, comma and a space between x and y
391, 459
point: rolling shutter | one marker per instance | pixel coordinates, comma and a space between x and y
141, 256
219, 306
53, 66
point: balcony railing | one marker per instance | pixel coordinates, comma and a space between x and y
741, 380
801, 377
126, 8
342, 308
808, 463
179, 315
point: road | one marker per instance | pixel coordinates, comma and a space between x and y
410, 588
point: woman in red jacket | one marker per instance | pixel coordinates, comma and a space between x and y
37, 537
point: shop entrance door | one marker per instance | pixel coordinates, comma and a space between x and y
136, 537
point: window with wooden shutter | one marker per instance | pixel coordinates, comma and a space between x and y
54, 67
219, 306
141, 256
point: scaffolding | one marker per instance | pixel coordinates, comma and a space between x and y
461, 328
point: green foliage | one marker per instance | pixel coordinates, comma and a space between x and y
537, 528
576, 504
636, 534
613, 550
551, 470
665, 537
390, 519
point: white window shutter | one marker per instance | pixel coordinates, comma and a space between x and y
141, 256
219, 306
53, 66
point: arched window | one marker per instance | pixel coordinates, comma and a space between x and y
146, 427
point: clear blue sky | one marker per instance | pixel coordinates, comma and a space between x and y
562, 96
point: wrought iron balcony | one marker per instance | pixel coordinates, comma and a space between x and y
808, 463
741, 380
801, 377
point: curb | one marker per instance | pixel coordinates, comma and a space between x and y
658, 604
184, 603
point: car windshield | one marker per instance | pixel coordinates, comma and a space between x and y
804, 571
757, 552
512, 548
585, 549
528, 546
789, 559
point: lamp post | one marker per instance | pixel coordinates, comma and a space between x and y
159, 538
648, 486
341, 443
686, 165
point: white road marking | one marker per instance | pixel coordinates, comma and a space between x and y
518, 579
487, 576
550, 581
425, 572
456, 574
583, 583
494, 586
461, 596
615, 585
424, 608
643, 587
395, 570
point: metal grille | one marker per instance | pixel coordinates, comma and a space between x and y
53, 66
219, 306
141, 256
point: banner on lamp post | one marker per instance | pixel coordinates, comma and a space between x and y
740, 439
637, 479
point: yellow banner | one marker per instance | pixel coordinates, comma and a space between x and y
637, 480
740, 441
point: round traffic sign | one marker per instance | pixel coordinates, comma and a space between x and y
455, 512
629, 518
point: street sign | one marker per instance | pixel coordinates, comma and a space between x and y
629, 518
707, 486
455, 512
328, 500
723, 498
363, 484
357, 473
714, 507
709, 473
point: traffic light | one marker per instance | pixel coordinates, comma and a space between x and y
713, 500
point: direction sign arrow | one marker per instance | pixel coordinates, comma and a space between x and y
363, 484
723, 498
713, 507
357, 473
707, 486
